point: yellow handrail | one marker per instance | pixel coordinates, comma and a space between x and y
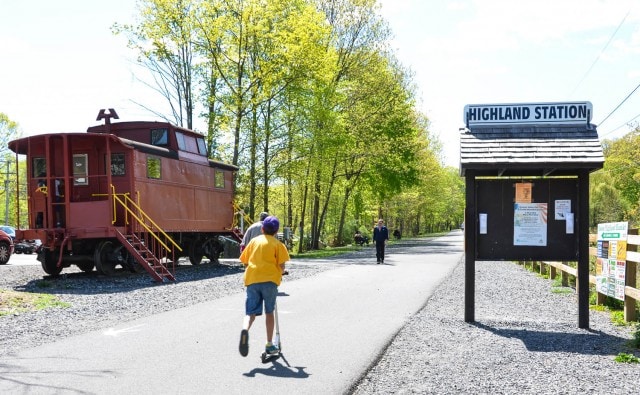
144, 219
115, 217
237, 209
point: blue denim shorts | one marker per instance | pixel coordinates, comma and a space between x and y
260, 293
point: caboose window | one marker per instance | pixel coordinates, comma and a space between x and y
201, 146
160, 137
153, 167
117, 164
39, 167
182, 146
219, 181
80, 169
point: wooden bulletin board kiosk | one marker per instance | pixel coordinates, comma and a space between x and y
526, 169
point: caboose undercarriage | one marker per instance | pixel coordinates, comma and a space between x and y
106, 254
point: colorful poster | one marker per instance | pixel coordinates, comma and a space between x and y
612, 259
530, 224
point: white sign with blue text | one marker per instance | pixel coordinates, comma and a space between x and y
569, 113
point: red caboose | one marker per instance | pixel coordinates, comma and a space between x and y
135, 194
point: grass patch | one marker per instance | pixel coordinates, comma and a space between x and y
557, 282
561, 290
333, 251
617, 318
623, 357
13, 302
326, 252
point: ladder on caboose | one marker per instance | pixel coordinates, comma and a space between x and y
146, 258
151, 247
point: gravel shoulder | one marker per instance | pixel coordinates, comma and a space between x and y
525, 340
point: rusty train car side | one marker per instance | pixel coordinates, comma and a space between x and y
135, 194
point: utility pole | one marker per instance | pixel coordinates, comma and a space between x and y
7, 183
6, 195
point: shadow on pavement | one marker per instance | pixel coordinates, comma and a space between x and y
588, 342
277, 369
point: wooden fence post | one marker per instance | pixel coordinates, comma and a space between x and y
565, 277
600, 298
630, 280
629, 302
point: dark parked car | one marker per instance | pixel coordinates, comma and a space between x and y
24, 247
6, 247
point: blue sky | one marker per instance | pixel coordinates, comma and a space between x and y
506, 51
60, 62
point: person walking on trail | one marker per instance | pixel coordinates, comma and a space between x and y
264, 258
380, 237
252, 231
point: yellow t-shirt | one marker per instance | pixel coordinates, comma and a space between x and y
263, 256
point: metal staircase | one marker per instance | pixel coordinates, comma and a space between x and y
148, 244
146, 258
237, 234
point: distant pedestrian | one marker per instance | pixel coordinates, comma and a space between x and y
252, 231
264, 258
380, 237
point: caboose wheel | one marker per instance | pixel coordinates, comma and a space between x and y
103, 258
212, 250
132, 264
49, 261
195, 252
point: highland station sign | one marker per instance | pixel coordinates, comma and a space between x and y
572, 113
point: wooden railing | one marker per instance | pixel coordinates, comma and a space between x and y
631, 292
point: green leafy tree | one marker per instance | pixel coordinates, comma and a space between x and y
9, 130
606, 203
305, 97
164, 39
356, 33
623, 165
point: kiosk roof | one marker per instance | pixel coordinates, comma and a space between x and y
533, 150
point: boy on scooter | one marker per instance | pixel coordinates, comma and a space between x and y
264, 258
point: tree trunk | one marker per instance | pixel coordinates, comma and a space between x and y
253, 163
315, 213
323, 213
343, 216
265, 160
304, 205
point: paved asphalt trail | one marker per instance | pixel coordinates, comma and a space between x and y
333, 327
